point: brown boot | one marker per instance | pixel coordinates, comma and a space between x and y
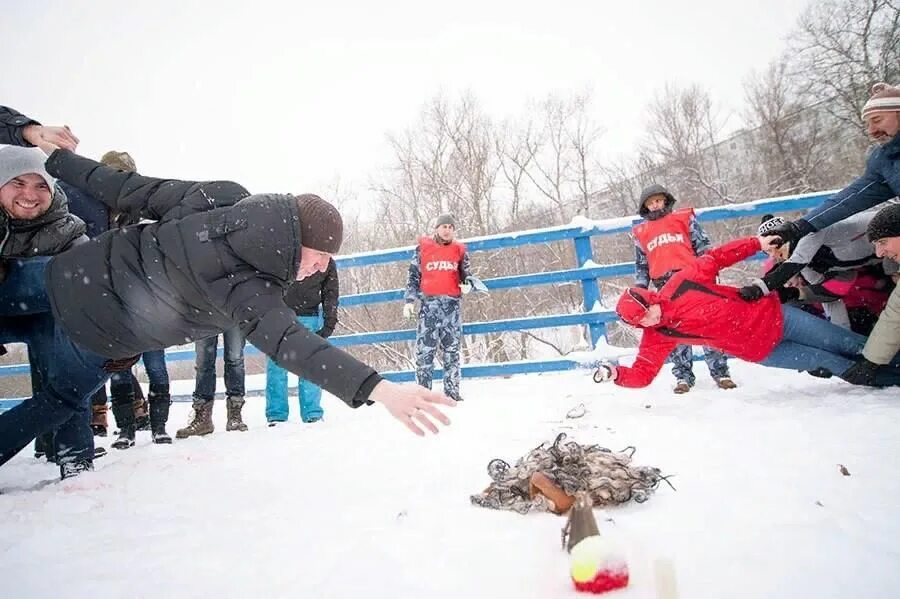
99, 419
141, 409
681, 387
201, 424
726, 383
234, 422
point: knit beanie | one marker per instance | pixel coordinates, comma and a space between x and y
445, 219
120, 160
768, 223
885, 98
633, 304
885, 223
321, 225
16, 160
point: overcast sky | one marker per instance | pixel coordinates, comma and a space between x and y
288, 97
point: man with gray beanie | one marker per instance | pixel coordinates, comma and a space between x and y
34, 225
879, 183
213, 257
438, 275
884, 341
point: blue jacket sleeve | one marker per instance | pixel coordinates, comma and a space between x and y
869, 190
641, 268
414, 278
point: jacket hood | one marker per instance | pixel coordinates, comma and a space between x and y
653, 190
633, 304
264, 231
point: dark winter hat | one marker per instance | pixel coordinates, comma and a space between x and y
120, 160
16, 161
768, 223
633, 304
649, 192
885, 98
321, 225
445, 219
885, 223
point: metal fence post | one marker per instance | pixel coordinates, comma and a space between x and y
590, 289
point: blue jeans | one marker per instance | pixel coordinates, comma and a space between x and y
205, 385
277, 386
154, 364
24, 291
68, 376
683, 363
810, 342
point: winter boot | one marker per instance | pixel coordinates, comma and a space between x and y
141, 410
159, 400
71, 469
98, 419
44, 447
234, 422
124, 415
726, 383
201, 423
681, 387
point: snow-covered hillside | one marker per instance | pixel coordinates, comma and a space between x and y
355, 506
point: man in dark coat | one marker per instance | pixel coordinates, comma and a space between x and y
214, 257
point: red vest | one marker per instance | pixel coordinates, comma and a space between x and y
666, 242
439, 264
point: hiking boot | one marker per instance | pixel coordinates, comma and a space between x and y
98, 419
159, 400
234, 422
201, 422
681, 387
124, 415
74, 468
726, 383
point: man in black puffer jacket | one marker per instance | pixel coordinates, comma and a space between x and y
215, 257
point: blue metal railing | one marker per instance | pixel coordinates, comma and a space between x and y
586, 272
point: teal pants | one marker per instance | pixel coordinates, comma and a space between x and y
277, 386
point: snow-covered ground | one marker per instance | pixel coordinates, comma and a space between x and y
357, 507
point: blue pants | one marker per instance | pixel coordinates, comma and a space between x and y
440, 325
69, 375
810, 342
205, 386
683, 363
277, 386
154, 364
24, 291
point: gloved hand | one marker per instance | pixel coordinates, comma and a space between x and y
409, 310
605, 373
120, 365
751, 293
325, 332
861, 373
465, 287
791, 232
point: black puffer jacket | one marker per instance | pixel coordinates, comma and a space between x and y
215, 258
49, 234
304, 297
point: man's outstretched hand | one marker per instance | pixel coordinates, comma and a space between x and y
790, 232
412, 405
50, 138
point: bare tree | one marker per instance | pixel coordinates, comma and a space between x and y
842, 47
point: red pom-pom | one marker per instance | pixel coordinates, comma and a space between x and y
604, 581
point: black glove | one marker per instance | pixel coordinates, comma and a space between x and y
325, 332
788, 294
120, 365
791, 232
861, 373
751, 293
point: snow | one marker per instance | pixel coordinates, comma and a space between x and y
355, 506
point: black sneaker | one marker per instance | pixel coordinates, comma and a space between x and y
99, 452
99, 430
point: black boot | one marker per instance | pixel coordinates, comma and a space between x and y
159, 400
123, 412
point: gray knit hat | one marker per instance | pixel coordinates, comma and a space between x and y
16, 160
885, 223
445, 219
321, 225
